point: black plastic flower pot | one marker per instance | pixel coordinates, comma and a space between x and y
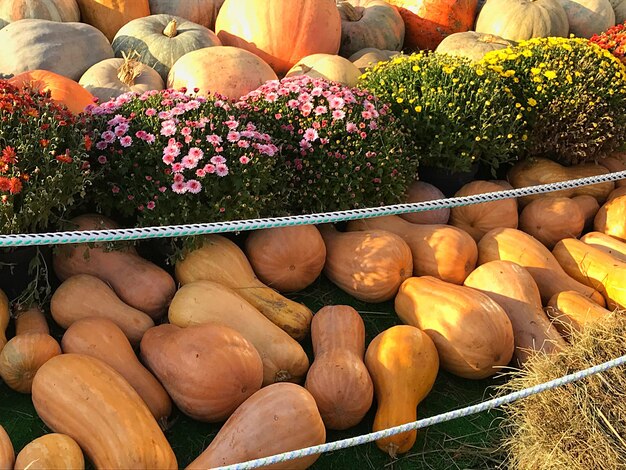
447, 182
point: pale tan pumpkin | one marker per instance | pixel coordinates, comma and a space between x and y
588, 17
369, 57
606, 243
550, 219
203, 12
570, 311
472, 45
420, 191
619, 7
589, 206
110, 15
7, 454
53, 10
327, 66
51, 451
614, 164
611, 218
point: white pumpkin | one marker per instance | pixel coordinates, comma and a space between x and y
328, 66
472, 45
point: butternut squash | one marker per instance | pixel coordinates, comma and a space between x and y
614, 165
513, 288
338, 378
5, 316
104, 340
31, 320
550, 219
51, 451
136, 281
606, 243
472, 333
570, 311
403, 363
208, 302
84, 296
611, 218
84, 398
589, 206
442, 251
369, 266
208, 370
278, 418
514, 245
7, 454
617, 192
594, 268
220, 260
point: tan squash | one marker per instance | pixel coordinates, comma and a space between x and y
208, 302
611, 218
86, 399
614, 164
589, 206
472, 45
594, 268
513, 288
7, 454
327, 66
606, 243
617, 192
570, 311
104, 340
287, 259
478, 219
5, 316
85, 296
278, 418
514, 245
550, 219
370, 265
338, 378
472, 333
31, 320
208, 370
403, 363
137, 282
442, 251
51, 451
220, 260
419, 191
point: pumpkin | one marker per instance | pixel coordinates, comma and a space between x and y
606, 243
160, 40
369, 57
86, 399
84, 296
113, 77
369, 23
619, 7
338, 378
589, 207
7, 454
280, 33
504, 184
513, 288
518, 20
478, 219
550, 219
54, 451
472, 333
617, 192
536, 171
403, 363
287, 259
445, 252
428, 22
110, 15
220, 260
330, 67
63, 90
611, 218
202, 302
3, 23
5, 316
53, 10
208, 370
420, 191
594, 268
31, 320
368, 265
588, 17
278, 418
570, 311
472, 45
53, 46
227, 71
138, 282
104, 340
202, 12
508, 244
614, 164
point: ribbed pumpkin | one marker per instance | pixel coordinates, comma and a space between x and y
282, 32
53, 10
519, 20
7, 454
472, 45
619, 7
287, 259
588, 17
202, 12
160, 40
369, 57
550, 219
420, 191
369, 23
428, 22
51, 451
110, 15
327, 66
611, 218
62, 89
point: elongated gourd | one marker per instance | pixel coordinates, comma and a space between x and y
570, 311
513, 288
338, 378
606, 243
86, 399
51, 451
611, 218
7, 454
442, 251
201, 302
472, 333
403, 363
5, 316
514, 245
31, 320
222, 261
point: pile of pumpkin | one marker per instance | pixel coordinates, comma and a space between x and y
474, 287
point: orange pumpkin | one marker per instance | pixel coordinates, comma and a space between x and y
420, 191
110, 15
551, 219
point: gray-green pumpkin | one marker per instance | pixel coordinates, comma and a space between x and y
472, 45
160, 40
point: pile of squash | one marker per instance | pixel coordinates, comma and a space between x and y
474, 287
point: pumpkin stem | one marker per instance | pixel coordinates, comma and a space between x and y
130, 69
170, 30
282, 376
348, 11
492, 39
